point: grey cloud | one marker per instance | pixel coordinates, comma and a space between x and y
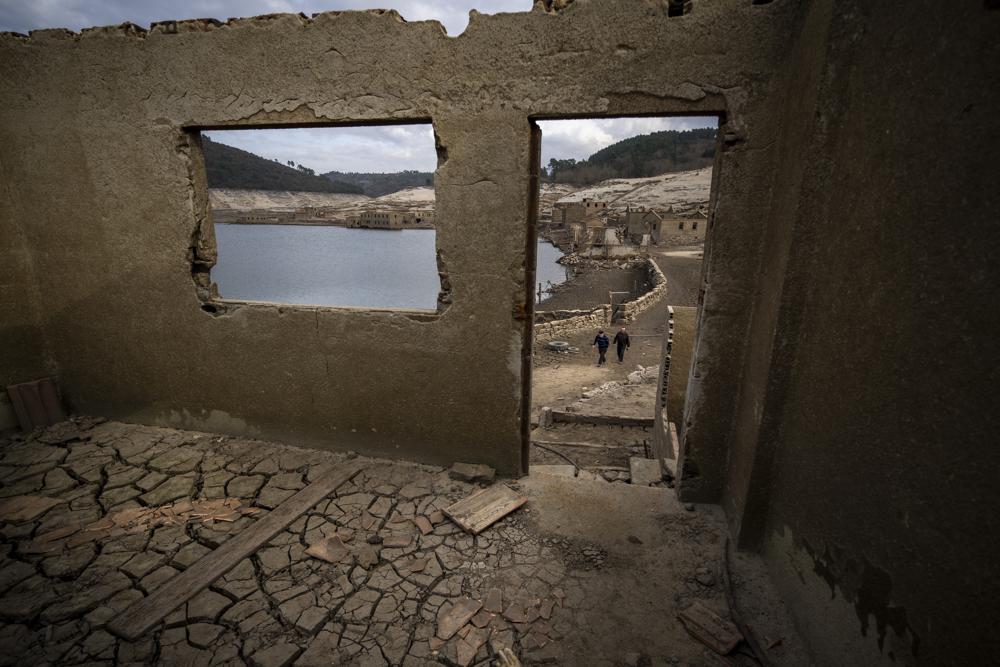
388, 148
23, 16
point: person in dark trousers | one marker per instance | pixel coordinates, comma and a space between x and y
601, 342
621, 343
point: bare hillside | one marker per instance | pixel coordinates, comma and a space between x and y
225, 198
682, 190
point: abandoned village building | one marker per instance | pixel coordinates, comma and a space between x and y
841, 418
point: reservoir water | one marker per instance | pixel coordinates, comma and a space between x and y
337, 266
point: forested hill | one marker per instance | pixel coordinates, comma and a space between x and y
229, 167
376, 185
636, 157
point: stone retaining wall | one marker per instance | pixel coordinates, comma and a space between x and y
594, 319
632, 309
560, 323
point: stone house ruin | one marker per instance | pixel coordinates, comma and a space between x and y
393, 219
642, 225
675, 230
568, 213
840, 405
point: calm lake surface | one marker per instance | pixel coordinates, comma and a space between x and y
336, 266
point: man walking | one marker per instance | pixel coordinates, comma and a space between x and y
621, 344
601, 342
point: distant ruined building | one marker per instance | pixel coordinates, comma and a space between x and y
393, 219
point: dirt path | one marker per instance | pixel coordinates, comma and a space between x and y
559, 379
681, 266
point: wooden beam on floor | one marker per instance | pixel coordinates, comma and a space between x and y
150, 611
600, 420
588, 445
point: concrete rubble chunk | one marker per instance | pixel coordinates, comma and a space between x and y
708, 627
516, 612
467, 647
330, 549
423, 524
472, 472
452, 619
644, 471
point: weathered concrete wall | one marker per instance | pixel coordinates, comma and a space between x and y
102, 166
846, 437
671, 235
863, 458
23, 354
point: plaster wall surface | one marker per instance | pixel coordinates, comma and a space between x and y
22, 350
863, 459
106, 188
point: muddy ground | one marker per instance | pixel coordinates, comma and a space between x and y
589, 288
586, 573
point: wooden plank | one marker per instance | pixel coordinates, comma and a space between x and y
600, 420
485, 507
710, 629
150, 611
589, 445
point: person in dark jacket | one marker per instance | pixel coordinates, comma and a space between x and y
621, 343
601, 342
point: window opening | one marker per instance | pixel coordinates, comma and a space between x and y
329, 216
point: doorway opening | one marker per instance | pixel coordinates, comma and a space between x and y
626, 203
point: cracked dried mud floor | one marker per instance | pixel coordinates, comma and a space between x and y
586, 573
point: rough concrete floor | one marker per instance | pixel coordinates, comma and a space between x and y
615, 562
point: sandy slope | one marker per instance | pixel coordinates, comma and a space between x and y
683, 190
222, 198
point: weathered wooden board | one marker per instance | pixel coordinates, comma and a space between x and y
600, 420
483, 508
710, 629
560, 443
150, 611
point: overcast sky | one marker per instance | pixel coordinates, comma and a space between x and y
366, 149
25, 15
400, 147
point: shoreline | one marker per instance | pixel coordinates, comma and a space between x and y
317, 223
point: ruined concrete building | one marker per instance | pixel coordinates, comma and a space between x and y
568, 213
393, 219
841, 405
